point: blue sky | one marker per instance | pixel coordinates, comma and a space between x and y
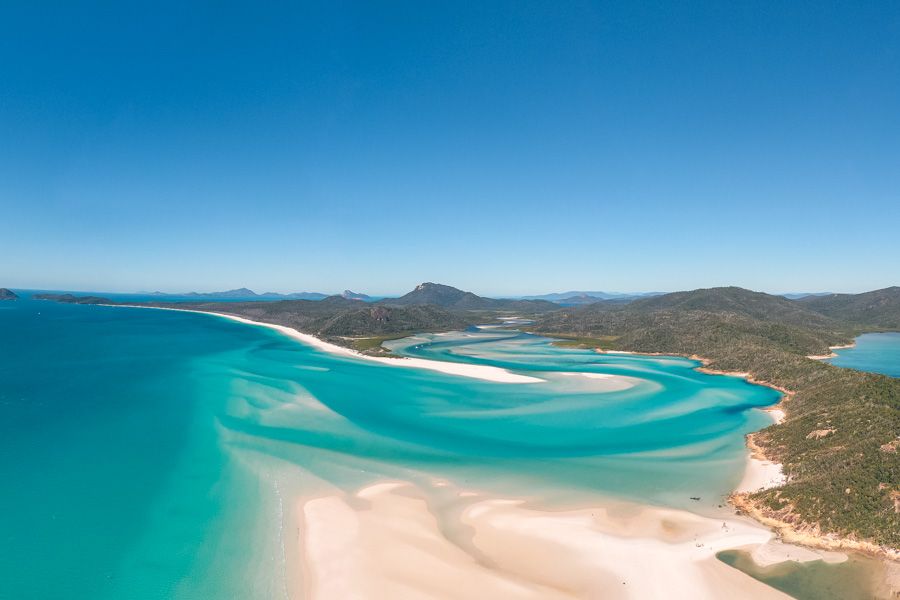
502, 147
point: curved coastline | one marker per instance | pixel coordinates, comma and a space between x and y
831, 351
760, 473
761, 468
483, 372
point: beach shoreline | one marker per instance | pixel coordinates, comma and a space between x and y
759, 468
483, 372
812, 538
831, 351
768, 473
760, 471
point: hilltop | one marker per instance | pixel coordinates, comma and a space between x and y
450, 297
351, 295
338, 319
755, 305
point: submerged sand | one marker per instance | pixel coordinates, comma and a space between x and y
394, 540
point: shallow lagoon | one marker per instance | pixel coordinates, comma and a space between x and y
149, 453
854, 579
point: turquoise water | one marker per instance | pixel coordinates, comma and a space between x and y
155, 454
877, 352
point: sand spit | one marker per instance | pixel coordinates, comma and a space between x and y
831, 352
484, 372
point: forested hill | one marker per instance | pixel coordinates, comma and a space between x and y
737, 300
877, 309
838, 441
338, 319
450, 297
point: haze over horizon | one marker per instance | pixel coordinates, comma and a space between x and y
508, 149
398, 293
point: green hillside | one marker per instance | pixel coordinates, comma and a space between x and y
450, 297
877, 309
844, 482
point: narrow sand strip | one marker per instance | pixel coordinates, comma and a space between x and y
484, 372
395, 547
777, 414
831, 352
761, 474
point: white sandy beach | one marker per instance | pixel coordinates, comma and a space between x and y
760, 474
831, 353
386, 542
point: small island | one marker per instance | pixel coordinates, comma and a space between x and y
7, 294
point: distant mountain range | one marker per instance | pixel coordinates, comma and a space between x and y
454, 297
583, 299
575, 298
243, 294
799, 295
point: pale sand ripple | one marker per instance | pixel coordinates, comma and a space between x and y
385, 542
394, 549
